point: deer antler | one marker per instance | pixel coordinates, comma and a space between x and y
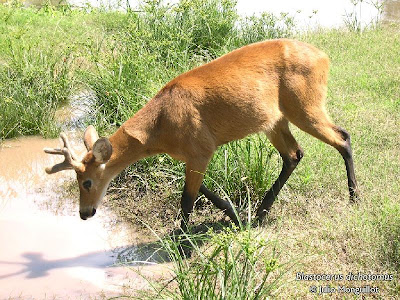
70, 161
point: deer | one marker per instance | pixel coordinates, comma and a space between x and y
258, 88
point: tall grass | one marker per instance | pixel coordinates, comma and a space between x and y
353, 19
223, 264
40, 50
34, 79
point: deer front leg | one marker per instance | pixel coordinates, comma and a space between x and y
224, 205
194, 178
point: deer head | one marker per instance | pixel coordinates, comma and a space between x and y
92, 178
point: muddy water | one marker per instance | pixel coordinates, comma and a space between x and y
53, 254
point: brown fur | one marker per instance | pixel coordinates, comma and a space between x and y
246, 91
257, 88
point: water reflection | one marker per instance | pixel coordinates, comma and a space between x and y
35, 265
52, 255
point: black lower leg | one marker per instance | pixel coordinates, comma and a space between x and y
187, 207
347, 155
288, 166
224, 205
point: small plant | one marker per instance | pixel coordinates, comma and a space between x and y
231, 264
353, 20
250, 163
266, 26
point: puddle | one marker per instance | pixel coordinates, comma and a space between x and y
79, 111
53, 254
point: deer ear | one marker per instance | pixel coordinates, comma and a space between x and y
102, 150
90, 137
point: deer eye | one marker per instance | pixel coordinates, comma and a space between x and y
87, 184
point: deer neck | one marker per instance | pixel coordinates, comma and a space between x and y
134, 140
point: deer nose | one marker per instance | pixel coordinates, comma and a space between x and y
85, 215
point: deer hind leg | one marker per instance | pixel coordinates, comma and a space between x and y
291, 154
347, 154
318, 125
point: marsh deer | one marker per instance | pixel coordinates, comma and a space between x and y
257, 88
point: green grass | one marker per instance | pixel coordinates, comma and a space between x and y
34, 70
125, 58
233, 265
40, 52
